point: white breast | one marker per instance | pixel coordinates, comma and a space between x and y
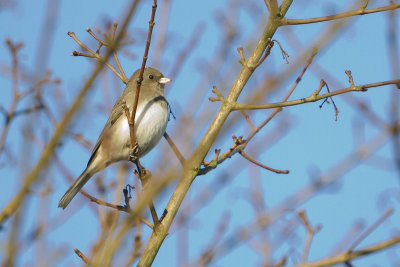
150, 126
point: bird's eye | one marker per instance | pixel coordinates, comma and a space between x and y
151, 77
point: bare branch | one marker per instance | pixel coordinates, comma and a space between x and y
314, 97
82, 256
370, 229
262, 165
352, 13
347, 256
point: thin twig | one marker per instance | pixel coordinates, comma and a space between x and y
347, 256
145, 56
136, 101
115, 24
93, 54
262, 165
174, 148
356, 12
82, 256
247, 118
370, 229
10, 113
314, 98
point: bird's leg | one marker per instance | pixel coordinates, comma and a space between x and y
133, 153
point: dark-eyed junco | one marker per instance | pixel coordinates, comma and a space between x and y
114, 141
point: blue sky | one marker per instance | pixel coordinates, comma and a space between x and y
304, 139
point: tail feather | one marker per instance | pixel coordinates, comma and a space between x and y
74, 189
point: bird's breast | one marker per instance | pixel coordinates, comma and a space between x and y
150, 124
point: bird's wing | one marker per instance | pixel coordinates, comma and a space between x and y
116, 112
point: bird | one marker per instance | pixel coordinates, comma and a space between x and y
114, 143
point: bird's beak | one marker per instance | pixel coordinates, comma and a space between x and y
164, 80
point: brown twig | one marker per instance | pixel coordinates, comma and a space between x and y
262, 165
247, 118
93, 54
131, 118
313, 97
139, 81
82, 256
135, 104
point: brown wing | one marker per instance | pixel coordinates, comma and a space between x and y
116, 112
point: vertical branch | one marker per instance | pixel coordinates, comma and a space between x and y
139, 81
9, 114
131, 117
394, 98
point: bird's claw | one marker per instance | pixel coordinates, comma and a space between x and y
134, 152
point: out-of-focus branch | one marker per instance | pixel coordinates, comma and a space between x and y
174, 148
16, 95
310, 234
305, 193
394, 55
207, 255
161, 33
183, 55
370, 229
350, 255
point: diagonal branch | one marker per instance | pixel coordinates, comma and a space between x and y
357, 12
193, 164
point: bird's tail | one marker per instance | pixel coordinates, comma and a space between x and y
74, 189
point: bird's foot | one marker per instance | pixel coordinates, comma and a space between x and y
133, 153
